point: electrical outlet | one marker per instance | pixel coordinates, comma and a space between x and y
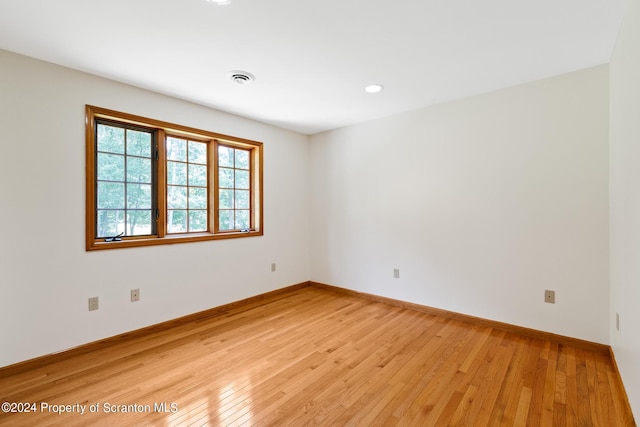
93, 303
396, 273
617, 322
550, 296
273, 267
135, 295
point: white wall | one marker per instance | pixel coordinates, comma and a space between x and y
481, 203
46, 276
625, 202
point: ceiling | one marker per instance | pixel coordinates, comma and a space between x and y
312, 59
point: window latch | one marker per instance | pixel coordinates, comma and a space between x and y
114, 238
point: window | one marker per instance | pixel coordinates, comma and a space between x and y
234, 188
124, 194
151, 182
187, 185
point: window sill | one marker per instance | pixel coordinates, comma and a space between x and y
168, 240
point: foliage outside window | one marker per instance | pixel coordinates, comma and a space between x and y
151, 182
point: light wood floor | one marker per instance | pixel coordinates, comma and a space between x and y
314, 357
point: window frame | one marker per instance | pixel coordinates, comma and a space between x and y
188, 186
216, 190
153, 144
162, 130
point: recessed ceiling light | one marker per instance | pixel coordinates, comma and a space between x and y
241, 77
374, 88
219, 2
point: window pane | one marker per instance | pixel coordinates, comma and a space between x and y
197, 152
138, 169
225, 156
197, 198
197, 175
110, 139
110, 223
242, 179
176, 197
110, 195
234, 188
177, 173
242, 159
187, 185
225, 199
176, 149
124, 177
138, 143
225, 176
242, 220
226, 220
242, 199
138, 223
198, 220
177, 221
110, 167
138, 196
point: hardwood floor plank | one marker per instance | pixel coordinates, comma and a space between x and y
584, 406
457, 407
315, 357
571, 388
507, 401
498, 361
548, 392
537, 394
522, 412
458, 418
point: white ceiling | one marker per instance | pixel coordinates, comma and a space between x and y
312, 59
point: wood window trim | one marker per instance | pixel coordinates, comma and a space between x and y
164, 129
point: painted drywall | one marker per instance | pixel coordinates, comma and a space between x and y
46, 276
481, 203
625, 202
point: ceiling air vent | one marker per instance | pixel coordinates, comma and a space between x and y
241, 77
